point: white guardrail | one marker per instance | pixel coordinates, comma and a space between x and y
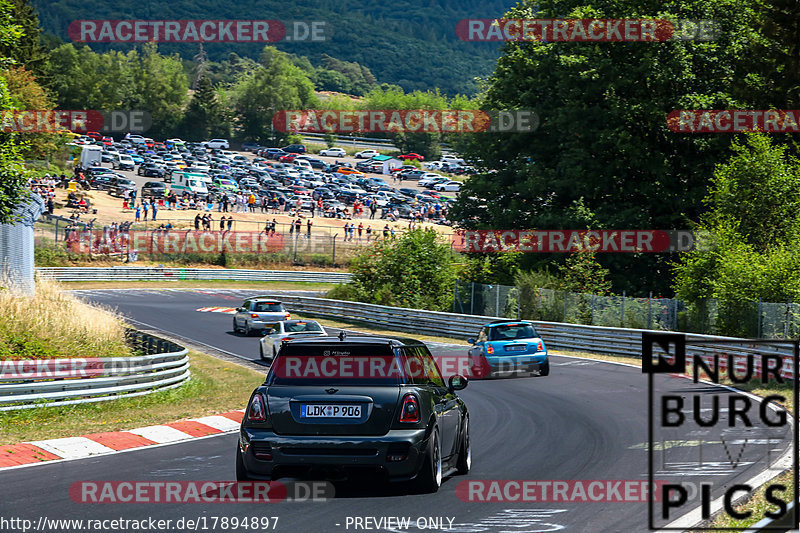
31, 383
576, 337
125, 273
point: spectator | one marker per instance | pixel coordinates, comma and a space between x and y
297, 225
230, 223
222, 223
369, 232
138, 213
251, 202
360, 229
155, 210
145, 207
50, 205
372, 209
386, 231
291, 228
225, 202
308, 228
197, 219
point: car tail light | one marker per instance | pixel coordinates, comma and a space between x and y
253, 315
540, 347
258, 409
288, 316
489, 349
286, 339
410, 409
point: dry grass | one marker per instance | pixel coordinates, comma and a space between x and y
55, 324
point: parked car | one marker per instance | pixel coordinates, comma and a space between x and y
506, 346
217, 144
410, 156
117, 186
154, 189
295, 149
151, 170
123, 162
448, 186
333, 152
366, 154
403, 425
256, 314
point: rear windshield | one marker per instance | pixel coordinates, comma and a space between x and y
326, 364
294, 327
508, 332
267, 307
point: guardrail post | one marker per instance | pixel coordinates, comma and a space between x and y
472, 300
650, 310
786, 322
622, 316
591, 320
497, 301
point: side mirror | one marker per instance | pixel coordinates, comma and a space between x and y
471, 341
457, 382
240, 309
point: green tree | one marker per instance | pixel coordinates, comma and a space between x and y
603, 134
27, 49
276, 85
205, 115
415, 270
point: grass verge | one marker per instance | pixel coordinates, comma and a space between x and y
55, 324
215, 386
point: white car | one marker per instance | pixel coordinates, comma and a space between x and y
448, 186
286, 330
432, 165
430, 178
353, 188
453, 160
366, 154
217, 143
302, 163
333, 152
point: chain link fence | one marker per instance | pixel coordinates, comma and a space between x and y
744, 319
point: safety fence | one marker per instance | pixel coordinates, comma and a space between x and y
26, 384
124, 273
624, 342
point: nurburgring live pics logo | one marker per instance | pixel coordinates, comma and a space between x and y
405, 120
195, 31
586, 30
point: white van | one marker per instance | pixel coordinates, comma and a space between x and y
123, 162
91, 155
188, 182
453, 160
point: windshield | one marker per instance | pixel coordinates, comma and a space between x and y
508, 332
296, 327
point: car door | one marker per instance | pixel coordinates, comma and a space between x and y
241, 313
445, 402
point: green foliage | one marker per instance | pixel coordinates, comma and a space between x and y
205, 116
414, 270
499, 268
603, 135
582, 273
752, 235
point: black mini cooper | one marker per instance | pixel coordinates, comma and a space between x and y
343, 407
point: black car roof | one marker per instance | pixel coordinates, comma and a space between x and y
394, 341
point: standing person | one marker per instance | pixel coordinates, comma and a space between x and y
230, 223
385, 231
138, 213
155, 210
273, 226
360, 229
264, 204
145, 207
369, 232
372, 209
297, 224
308, 228
225, 202
313, 206
133, 197
291, 229
222, 223
197, 221
251, 202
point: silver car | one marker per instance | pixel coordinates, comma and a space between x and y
286, 331
258, 314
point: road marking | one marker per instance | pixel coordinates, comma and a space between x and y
72, 447
161, 434
226, 310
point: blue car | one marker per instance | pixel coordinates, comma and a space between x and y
508, 347
137, 158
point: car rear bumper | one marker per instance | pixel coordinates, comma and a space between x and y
398, 455
505, 364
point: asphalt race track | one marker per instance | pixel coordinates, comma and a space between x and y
586, 421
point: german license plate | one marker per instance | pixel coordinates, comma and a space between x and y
330, 411
515, 348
